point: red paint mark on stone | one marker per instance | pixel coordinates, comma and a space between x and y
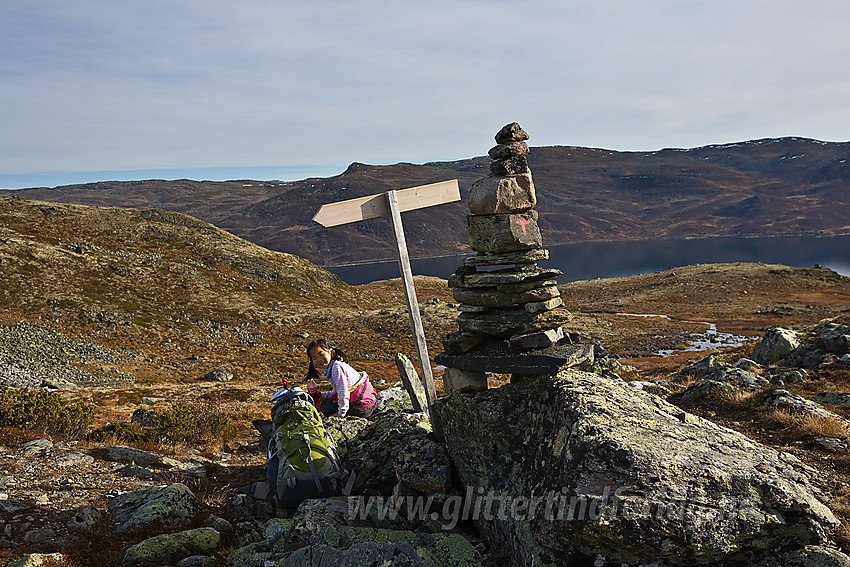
523, 223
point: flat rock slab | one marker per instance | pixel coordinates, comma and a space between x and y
492, 297
411, 381
498, 357
511, 258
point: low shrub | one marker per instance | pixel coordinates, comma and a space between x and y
25, 408
182, 423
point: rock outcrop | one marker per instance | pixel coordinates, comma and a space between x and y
579, 466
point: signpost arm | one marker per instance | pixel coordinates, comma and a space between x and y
413, 309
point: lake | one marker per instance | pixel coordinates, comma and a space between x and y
610, 259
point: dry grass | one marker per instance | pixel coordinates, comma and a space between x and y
808, 425
738, 398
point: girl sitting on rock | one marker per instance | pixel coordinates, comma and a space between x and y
351, 394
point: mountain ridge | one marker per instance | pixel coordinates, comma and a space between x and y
770, 186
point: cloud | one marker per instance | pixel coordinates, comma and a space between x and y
99, 85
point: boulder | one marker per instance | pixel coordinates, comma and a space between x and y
833, 398
37, 559
835, 338
726, 380
370, 448
799, 405
497, 234
159, 507
708, 364
776, 344
395, 398
170, 548
219, 375
456, 381
124, 454
331, 541
411, 381
577, 466
492, 195
400, 554
84, 519
424, 466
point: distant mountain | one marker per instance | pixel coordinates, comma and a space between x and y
760, 187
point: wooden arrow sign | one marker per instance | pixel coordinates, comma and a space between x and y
392, 203
373, 206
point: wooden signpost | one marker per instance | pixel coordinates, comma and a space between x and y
393, 203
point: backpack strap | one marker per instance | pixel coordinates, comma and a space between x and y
312, 466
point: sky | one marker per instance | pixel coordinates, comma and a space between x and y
94, 90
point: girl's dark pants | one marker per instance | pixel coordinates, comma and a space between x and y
330, 407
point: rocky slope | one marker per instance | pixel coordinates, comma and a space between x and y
759, 187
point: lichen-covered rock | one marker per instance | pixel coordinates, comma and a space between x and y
400, 554
124, 454
777, 343
170, 548
424, 466
394, 399
158, 507
797, 404
331, 532
36, 559
835, 338
251, 555
833, 398
708, 364
726, 380
370, 447
345, 431
580, 465
812, 556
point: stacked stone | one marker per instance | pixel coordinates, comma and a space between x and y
505, 296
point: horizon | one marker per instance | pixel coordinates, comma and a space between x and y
280, 174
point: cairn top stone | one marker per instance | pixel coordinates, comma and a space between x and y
512, 132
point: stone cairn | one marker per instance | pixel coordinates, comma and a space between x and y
507, 323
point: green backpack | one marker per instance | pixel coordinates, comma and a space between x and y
302, 459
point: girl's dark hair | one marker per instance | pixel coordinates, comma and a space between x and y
336, 354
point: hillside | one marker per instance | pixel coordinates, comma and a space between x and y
760, 187
128, 309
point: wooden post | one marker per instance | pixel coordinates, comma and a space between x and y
415, 318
